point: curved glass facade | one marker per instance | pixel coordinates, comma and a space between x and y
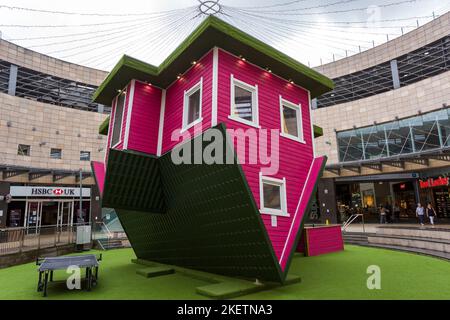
429, 131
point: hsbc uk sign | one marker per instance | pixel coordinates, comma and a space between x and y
53, 192
49, 192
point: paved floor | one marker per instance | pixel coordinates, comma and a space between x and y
372, 227
34, 241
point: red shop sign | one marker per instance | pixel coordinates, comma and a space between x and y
431, 183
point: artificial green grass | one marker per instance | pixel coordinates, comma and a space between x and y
117, 280
340, 275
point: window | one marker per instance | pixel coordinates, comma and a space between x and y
273, 196
55, 153
244, 102
291, 120
428, 131
118, 117
24, 150
192, 109
85, 156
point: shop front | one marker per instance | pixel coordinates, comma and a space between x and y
436, 191
366, 195
35, 207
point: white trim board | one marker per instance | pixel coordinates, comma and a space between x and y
215, 87
161, 123
110, 128
129, 113
312, 124
124, 91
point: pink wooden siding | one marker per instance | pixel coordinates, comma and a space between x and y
305, 197
294, 158
111, 121
173, 116
301, 243
322, 240
144, 123
99, 172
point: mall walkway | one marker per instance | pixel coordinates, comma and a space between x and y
428, 240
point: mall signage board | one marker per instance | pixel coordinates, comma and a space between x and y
431, 183
48, 192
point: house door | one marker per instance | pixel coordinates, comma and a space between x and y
65, 215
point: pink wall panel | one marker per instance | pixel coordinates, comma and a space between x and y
175, 95
301, 243
111, 119
99, 171
305, 197
144, 124
294, 158
322, 240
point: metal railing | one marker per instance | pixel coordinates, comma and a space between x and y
104, 237
352, 219
102, 233
18, 240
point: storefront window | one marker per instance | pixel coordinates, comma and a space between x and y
429, 131
350, 146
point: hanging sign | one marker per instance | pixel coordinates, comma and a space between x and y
431, 183
50, 192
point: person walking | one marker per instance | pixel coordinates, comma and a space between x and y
420, 212
382, 215
396, 213
388, 208
431, 213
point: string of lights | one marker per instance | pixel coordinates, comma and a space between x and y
279, 24
95, 14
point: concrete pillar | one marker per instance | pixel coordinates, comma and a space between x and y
4, 190
314, 104
395, 75
417, 190
327, 201
96, 209
12, 84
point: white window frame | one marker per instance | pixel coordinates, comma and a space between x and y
255, 103
283, 199
124, 92
187, 94
298, 109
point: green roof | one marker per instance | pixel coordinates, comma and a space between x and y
210, 33
104, 127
